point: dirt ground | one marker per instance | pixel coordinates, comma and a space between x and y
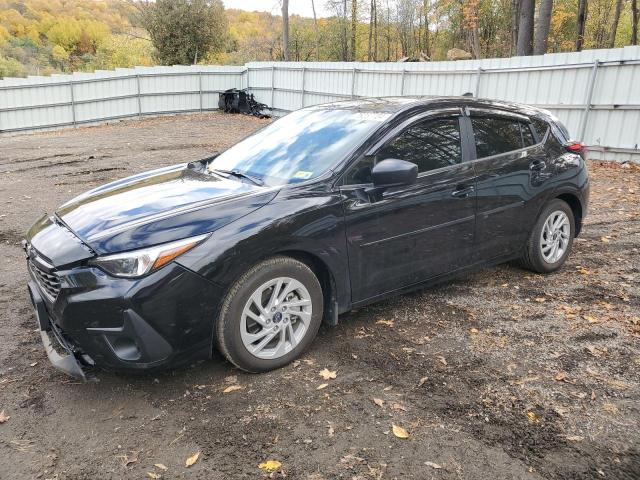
499, 375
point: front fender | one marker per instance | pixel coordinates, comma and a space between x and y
307, 224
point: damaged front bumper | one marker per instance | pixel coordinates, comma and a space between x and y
61, 354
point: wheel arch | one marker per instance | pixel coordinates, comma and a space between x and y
576, 207
325, 276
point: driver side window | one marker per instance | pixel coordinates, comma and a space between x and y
430, 144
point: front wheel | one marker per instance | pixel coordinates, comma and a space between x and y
551, 240
270, 315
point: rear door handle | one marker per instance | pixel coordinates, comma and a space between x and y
537, 165
462, 191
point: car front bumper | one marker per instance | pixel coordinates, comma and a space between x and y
161, 320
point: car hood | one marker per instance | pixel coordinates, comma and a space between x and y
159, 206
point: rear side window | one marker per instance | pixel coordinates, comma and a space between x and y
430, 144
495, 136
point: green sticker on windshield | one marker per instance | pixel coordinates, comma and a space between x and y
302, 174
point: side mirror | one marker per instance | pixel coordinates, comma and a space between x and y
393, 173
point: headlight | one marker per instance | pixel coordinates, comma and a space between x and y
140, 262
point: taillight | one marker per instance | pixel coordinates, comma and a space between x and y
577, 147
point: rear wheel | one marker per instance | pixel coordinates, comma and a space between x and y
551, 240
270, 315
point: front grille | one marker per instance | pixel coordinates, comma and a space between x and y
48, 282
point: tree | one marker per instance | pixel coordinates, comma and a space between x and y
634, 22
525, 27
470, 23
582, 20
285, 30
354, 27
184, 30
425, 12
515, 18
542, 28
616, 21
316, 30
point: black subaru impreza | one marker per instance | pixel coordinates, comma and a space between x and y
329, 208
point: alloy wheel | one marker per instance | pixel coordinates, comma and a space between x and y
555, 236
276, 318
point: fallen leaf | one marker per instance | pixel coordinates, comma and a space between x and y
422, 381
379, 402
610, 407
270, 465
328, 374
232, 388
532, 417
128, 460
574, 438
322, 385
161, 466
433, 465
192, 459
388, 323
399, 407
330, 429
590, 318
540, 299
442, 360
474, 330
154, 476
3, 417
399, 431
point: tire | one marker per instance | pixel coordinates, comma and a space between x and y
257, 339
538, 256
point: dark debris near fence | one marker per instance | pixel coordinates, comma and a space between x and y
239, 101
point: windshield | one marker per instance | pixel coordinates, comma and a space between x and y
299, 146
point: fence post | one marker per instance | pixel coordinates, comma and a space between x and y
587, 106
138, 95
200, 88
404, 72
73, 103
477, 92
273, 85
304, 70
353, 82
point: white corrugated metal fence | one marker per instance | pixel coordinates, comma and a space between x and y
596, 93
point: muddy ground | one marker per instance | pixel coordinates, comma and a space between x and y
500, 375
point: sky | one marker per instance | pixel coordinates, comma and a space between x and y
297, 7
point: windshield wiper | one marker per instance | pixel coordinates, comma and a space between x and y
238, 173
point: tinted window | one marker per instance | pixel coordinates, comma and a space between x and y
430, 145
527, 135
496, 135
360, 172
540, 126
301, 145
554, 146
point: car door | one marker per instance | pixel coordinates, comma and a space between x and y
511, 169
415, 232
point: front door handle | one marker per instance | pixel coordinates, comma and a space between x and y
463, 191
537, 165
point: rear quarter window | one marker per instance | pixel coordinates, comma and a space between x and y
540, 126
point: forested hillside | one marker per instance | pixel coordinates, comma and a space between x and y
46, 36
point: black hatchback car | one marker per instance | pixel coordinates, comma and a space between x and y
328, 208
